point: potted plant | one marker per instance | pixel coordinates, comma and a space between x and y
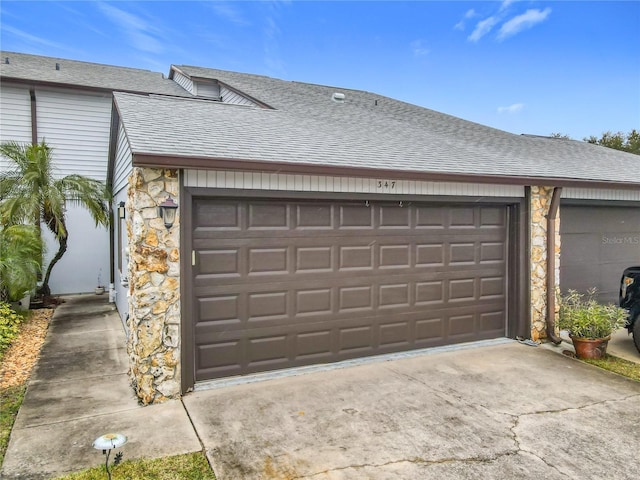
99, 290
589, 322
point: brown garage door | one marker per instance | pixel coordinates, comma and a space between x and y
279, 284
598, 243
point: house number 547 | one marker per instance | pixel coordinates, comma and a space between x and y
386, 184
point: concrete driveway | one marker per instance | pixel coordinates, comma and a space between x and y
503, 411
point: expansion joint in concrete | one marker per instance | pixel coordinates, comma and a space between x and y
415, 460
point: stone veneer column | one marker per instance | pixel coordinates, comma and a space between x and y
539, 208
154, 286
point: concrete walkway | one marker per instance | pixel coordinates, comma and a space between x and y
79, 391
491, 412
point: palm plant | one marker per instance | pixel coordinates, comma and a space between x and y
30, 193
20, 251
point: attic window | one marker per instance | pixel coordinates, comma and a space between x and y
338, 97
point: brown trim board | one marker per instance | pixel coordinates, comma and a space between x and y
187, 341
172, 161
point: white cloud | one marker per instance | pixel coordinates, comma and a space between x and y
515, 108
482, 28
229, 12
419, 49
32, 39
461, 24
141, 33
505, 4
271, 33
523, 22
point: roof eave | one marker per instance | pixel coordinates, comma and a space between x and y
237, 164
75, 86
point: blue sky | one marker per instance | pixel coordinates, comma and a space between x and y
536, 67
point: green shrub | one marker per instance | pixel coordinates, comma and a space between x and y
584, 317
9, 326
20, 254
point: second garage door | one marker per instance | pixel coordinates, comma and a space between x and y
278, 284
598, 243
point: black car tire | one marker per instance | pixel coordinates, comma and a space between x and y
636, 332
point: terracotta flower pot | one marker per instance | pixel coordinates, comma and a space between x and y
587, 348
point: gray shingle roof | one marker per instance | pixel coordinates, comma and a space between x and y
38, 69
367, 131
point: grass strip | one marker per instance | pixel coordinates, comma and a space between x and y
191, 466
10, 399
618, 365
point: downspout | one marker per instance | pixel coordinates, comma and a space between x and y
34, 117
551, 266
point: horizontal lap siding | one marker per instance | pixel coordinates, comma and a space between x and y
282, 284
77, 127
15, 116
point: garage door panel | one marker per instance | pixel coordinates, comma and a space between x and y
356, 217
280, 284
492, 252
492, 217
314, 302
598, 243
315, 217
394, 217
307, 280
219, 216
331, 261
233, 353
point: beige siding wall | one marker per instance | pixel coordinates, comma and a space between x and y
601, 194
229, 96
77, 127
183, 81
123, 163
316, 183
15, 116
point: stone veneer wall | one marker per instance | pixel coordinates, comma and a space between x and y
154, 286
539, 208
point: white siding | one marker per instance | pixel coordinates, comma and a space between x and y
123, 162
123, 167
121, 286
601, 194
183, 81
316, 183
229, 96
15, 116
87, 255
207, 89
77, 127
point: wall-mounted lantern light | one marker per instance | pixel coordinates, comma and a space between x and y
168, 212
121, 210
